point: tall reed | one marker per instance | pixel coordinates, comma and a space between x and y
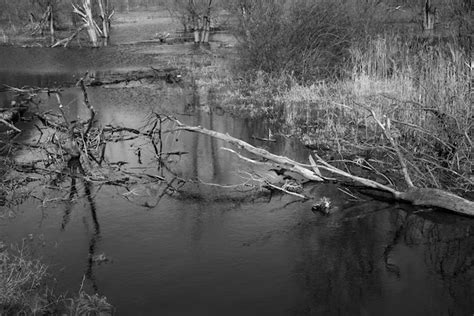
420, 86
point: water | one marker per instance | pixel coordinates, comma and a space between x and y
210, 251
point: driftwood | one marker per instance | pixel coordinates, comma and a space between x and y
415, 196
169, 75
65, 41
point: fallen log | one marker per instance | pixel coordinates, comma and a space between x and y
426, 197
438, 198
170, 75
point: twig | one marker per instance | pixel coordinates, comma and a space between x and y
367, 182
350, 194
13, 127
88, 105
301, 196
388, 135
421, 130
67, 40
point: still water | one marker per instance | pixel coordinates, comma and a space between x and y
212, 251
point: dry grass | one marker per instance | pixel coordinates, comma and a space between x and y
421, 87
24, 289
21, 280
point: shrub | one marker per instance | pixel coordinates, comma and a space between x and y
20, 12
24, 289
422, 86
20, 281
308, 39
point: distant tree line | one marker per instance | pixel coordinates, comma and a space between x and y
20, 12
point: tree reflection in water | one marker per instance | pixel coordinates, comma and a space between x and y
389, 262
77, 172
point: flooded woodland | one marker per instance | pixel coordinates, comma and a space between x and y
104, 185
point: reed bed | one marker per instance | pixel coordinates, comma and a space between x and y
421, 87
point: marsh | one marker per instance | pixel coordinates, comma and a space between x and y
208, 240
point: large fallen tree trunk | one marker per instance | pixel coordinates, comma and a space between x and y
416, 196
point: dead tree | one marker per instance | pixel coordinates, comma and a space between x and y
46, 22
105, 15
429, 16
201, 19
84, 10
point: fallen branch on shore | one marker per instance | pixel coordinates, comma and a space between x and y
169, 75
416, 196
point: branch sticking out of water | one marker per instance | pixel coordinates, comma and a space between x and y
386, 130
88, 105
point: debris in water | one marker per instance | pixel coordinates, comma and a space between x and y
323, 206
101, 258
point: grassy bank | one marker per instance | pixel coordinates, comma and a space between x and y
26, 288
422, 93
325, 71
420, 88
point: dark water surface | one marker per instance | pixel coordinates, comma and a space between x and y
209, 251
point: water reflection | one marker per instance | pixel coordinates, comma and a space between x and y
74, 172
388, 263
95, 237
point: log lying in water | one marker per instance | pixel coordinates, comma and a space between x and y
415, 196
438, 198
169, 75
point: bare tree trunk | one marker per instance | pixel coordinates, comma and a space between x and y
207, 24
429, 15
85, 11
105, 16
206, 29
197, 27
195, 20
201, 21
51, 24
246, 19
90, 23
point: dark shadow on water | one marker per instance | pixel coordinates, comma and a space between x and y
75, 171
